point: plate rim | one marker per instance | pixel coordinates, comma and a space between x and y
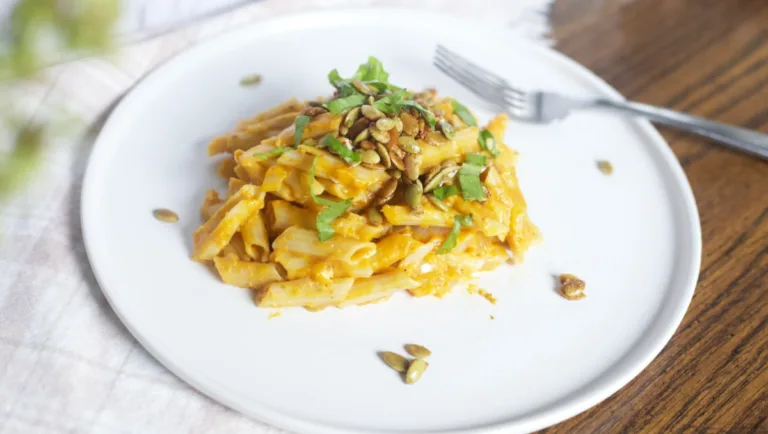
563, 407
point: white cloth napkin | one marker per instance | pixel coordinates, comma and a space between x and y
67, 365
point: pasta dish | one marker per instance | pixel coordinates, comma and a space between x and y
349, 199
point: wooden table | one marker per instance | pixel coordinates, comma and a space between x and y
710, 58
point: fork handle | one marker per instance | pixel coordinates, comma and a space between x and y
739, 138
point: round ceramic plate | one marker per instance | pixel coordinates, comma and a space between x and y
529, 361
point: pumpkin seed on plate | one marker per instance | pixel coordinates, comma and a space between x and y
371, 113
413, 194
394, 360
411, 162
410, 124
439, 204
367, 144
362, 136
395, 173
443, 175
386, 192
370, 157
363, 88
409, 144
385, 124
418, 351
351, 117
397, 161
436, 139
375, 217
398, 125
380, 136
384, 154
415, 371
165, 215
447, 129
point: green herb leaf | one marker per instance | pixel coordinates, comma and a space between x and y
344, 86
391, 103
463, 113
273, 153
299, 125
332, 211
339, 149
445, 191
428, 116
488, 142
459, 221
371, 70
469, 177
338, 105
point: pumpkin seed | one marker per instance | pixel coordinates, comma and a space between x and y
415, 371
375, 218
371, 112
410, 124
437, 139
359, 125
397, 161
386, 192
606, 167
371, 100
395, 173
571, 287
165, 215
362, 136
411, 163
309, 142
363, 88
343, 130
440, 177
447, 129
439, 204
398, 125
367, 144
370, 157
413, 194
382, 151
351, 117
385, 124
449, 162
380, 136
394, 361
418, 351
346, 142
409, 145
373, 166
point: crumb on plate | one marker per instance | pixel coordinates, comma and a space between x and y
605, 166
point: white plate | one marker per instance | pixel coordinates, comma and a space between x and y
634, 237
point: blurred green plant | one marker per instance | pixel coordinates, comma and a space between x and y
37, 33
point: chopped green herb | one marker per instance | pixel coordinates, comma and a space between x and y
273, 153
299, 125
428, 116
250, 80
463, 113
488, 142
469, 177
459, 221
332, 211
340, 104
339, 149
391, 103
445, 192
371, 70
344, 86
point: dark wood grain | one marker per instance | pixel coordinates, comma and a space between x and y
710, 58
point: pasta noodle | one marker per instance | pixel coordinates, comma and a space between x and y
348, 200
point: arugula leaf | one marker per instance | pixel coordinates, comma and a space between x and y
488, 142
428, 116
339, 149
469, 177
273, 153
463, 113
299, 125
445, 192
347, 102
332, 211
450, 241
344, 86
391, 103
371, 70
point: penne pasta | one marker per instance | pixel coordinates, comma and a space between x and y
347, 200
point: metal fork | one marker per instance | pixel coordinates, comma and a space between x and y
545, 107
